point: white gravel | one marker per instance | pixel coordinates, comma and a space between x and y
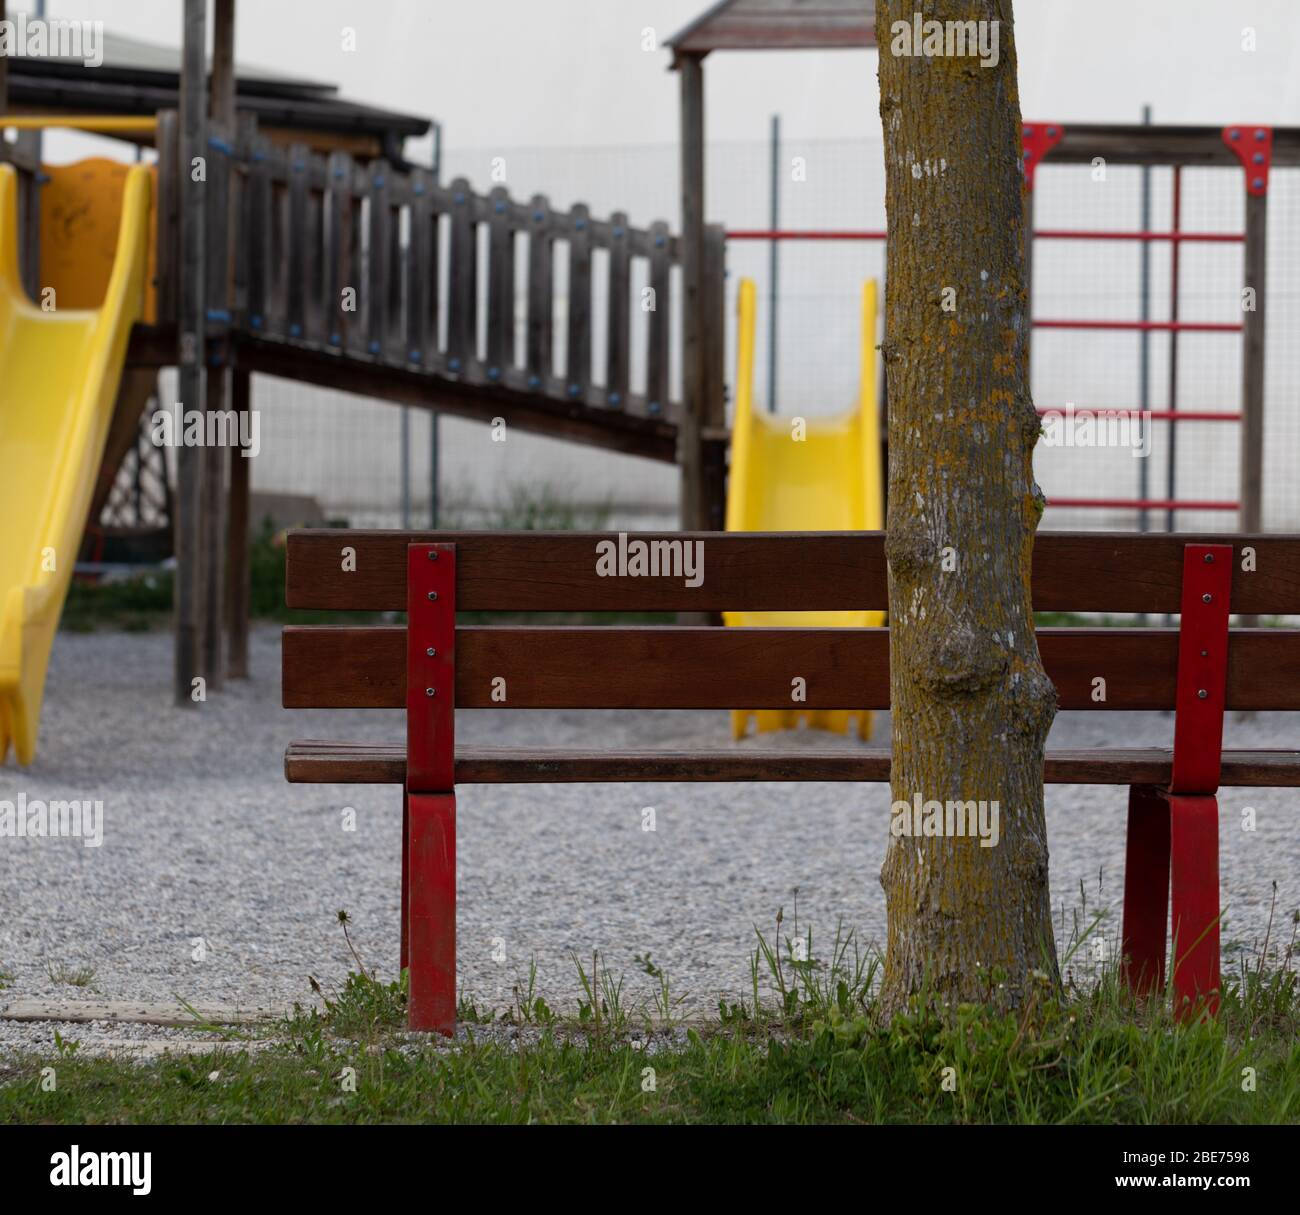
205, 844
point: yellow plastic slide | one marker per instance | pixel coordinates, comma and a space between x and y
59, 373
819, 474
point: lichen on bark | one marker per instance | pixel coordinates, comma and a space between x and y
971, 702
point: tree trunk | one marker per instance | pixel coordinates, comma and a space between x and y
972, 704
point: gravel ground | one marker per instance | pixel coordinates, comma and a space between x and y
204, 840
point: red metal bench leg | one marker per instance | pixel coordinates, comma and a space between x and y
431, 880
1195, 863
406, 874
429, 847
1146, 890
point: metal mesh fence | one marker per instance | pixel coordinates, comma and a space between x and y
347, 452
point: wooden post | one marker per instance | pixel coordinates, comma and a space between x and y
191, 296
690, 456
713, 412
238, 537
220, 179
1251, 516
4, 72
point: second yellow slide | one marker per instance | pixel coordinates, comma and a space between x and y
804, 474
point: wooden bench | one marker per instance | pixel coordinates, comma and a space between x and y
432, 667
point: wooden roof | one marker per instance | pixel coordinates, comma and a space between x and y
769, 25
139, 77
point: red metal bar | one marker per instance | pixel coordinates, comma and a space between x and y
430, 847
1152, 415
405, 952
1194, 870
430, 667
1253, 146
1037, 139
794, 234
851, 234
1146, 890
1140, 503
432, 973
1198, 747
1202, 668
1168, 326
1102, 234
1175, 315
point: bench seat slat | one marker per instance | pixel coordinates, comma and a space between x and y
712, 668
755, 571
315, 762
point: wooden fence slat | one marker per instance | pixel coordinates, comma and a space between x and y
259, 234
657, 349
168, 224
338, 259
462, 294
395, 316
714, 668
278, 244
315, 310
219, 159
298, 234
501, 286
421, 276
241, 212
757, 571
377, 251
619, 334
540, 293
577, 372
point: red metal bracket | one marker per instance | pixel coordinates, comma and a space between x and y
430, 668
1253, 146
429, 811
1037, 139
1202, 668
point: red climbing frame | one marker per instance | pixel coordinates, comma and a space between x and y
429, 811
1174, 832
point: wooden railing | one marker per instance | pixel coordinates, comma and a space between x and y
391, 267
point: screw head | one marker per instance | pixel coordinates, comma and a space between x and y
1202, 694
431, 652
1207, 598
433, 554
431, 692
432, 596
1209, 558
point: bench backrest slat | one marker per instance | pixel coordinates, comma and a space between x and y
711, 668
830, 571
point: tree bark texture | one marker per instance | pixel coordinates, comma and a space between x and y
971, 702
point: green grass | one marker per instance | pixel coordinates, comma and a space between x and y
808, 1046
71, 976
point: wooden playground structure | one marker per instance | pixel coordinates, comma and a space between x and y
319, 255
